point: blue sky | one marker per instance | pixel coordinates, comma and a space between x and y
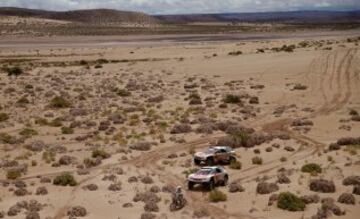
188, 6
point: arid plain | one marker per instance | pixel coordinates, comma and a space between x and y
123, 119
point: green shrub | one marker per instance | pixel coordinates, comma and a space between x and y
100, 153
13, 174
312, 168
257, 160
232, 99
290, 202
64, 180
3, 117
217, 196
48, 156
59, 102
235, 165
67, 130
16, 71
28, 132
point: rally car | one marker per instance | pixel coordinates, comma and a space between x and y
208, 177
215, 155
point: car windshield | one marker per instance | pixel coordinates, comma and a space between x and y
210, 151
204, 172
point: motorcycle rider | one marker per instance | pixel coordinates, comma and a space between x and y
178, 196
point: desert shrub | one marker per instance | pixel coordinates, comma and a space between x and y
6, 138
239, 137
356, 118
289, 48
64, 180
353, 112
34, 163
23, 101
235, 53
98, 66
289, 201
312, 168
100, 153
235, 165
3, 117
48, 156
55, 123
232, 99
102, 61
283, 159
83, 62
28, 132
16, 71
13, 174
67, 130
41, 121
217, 196
123, 93
352, 149
59, 102
257, 160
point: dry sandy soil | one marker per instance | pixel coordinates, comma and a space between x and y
125, 119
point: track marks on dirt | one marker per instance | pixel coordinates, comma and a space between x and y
335, 81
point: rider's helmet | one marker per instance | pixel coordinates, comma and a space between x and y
178, 189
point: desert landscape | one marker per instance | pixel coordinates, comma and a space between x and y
99, 125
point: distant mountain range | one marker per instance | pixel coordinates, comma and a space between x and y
95, 16
280, 17
108, 16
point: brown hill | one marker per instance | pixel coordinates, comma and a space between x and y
94, 16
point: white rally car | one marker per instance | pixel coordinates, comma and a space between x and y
208, 177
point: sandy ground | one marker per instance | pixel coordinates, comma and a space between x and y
156, 75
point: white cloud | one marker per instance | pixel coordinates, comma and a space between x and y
187, 6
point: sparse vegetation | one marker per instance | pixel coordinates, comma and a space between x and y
232, 99
235, 165
312, 168
235, 53
14, 71
123, 93
257, 160
289, 201
4, 117
217, 196
13, 174
100, 153
67, 130
59, 102
65, 179
28, 132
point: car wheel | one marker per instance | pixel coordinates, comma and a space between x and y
210, 161
190, 185
211, 185
197, 162
225, 181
